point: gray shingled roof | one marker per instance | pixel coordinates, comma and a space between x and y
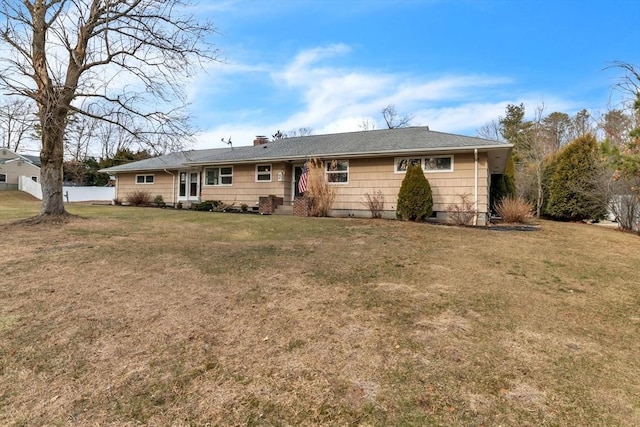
352, 144
33, 159
167, 161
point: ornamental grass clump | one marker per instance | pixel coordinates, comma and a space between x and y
319, 193
415, 200
514, 210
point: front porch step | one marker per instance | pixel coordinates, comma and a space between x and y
283, 210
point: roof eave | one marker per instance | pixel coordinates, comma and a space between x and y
354, 154
385, 153
147, 169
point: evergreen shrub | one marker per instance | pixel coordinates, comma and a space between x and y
573, 185
415, 200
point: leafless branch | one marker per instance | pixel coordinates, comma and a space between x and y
393, 119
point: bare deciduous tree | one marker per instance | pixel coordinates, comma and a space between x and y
393, 120
629, 83
367, 124
534, 141
16, 122
78, 136
535, 149
112, 139
120, 61
582, 125
303, 131
293, 133
491, 130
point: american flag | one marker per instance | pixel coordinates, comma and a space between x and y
302, 182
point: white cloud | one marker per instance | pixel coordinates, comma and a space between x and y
329, 98
337, 99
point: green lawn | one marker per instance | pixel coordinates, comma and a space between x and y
129, 316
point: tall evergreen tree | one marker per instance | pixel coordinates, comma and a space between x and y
572, 188
514, 128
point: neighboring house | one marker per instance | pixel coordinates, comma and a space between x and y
13, 166
355, 164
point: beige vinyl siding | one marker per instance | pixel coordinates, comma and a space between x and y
366, 175
245, 188
17, 168
162, 185
369, 175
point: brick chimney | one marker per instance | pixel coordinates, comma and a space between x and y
260, 140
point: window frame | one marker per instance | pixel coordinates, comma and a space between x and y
423, 161
145, 179
407, 161
6, 178
263, 173
328, 173
220, 176
427, 159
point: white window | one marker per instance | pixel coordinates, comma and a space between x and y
337, 171
188, 181
438, 164
403, 164
3, 177
263, 173
429, 164
145, 179
219, 175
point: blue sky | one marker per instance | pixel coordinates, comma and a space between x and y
452, 64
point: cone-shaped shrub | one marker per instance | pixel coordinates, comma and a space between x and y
573, 189
415, 201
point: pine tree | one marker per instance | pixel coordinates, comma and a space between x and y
415, 200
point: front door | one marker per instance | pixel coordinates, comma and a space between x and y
297, 172
189, 186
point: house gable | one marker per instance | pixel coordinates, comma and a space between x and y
13, 166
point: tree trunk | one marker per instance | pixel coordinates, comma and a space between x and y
540, 192
51, 157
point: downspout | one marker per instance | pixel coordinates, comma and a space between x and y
475, 187
173, 187
117, 187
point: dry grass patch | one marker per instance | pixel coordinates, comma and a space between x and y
163, 317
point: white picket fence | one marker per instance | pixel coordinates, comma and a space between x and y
71, 194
